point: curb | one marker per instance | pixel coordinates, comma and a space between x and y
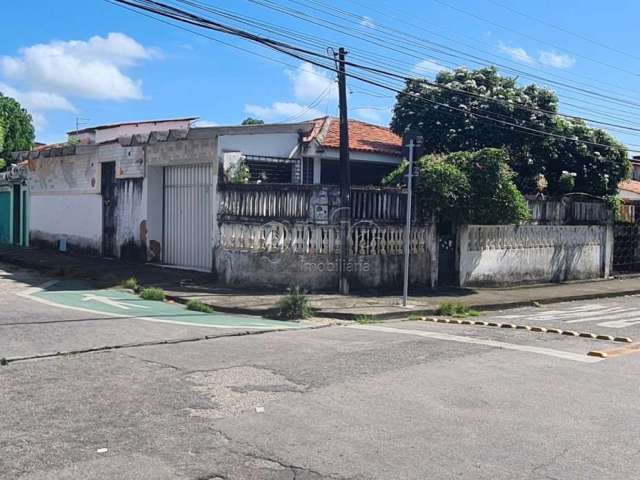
529, 328
342, 315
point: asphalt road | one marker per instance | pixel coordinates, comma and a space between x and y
400, 400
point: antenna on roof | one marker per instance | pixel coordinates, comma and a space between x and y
81, 121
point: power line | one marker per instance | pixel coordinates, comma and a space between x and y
564, 30
177, 14
404, 49
531, 37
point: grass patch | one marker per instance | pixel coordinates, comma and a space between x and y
155, 294
363, 319
131, 284
199, 306
415, 318
294, 305
456, 310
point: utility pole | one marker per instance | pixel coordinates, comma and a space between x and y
407, 227
345, 175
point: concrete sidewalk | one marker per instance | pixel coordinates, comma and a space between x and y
182, 286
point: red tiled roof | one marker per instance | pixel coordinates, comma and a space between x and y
630, 186
363, 137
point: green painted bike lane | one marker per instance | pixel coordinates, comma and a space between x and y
122, 303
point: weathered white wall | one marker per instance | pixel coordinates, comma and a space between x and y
129, 159
72, 173
77, 218
269, 144
494, 255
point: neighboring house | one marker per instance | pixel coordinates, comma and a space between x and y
630, 189
152, 196
308, 152
14, 206
106, 133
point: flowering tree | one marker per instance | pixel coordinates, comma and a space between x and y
452, 117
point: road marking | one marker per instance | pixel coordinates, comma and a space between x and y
617, 352
576, 357
602, 316
29, 294
87, 297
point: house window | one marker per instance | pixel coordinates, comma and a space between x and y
307, 170
362, 173
270, 169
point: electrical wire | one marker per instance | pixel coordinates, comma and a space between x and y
302, 54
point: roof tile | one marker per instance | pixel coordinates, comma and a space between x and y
363, 137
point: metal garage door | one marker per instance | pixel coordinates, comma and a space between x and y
188, 216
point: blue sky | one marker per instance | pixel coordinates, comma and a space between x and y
93, 60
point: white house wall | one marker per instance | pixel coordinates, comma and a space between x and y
76, 218
281, 145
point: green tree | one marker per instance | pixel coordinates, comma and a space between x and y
424, 105
466, 187
3, 164
252, 121
18, 128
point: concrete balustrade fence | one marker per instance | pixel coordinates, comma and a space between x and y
499, 255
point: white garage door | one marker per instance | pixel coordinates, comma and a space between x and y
189, 191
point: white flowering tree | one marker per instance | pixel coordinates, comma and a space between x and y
452, 116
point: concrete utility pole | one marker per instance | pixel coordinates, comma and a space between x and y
345, 174
407, 228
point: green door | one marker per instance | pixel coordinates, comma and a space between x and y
6, 206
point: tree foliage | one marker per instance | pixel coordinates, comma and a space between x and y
467, 187
484, 93
252, 121
16, 126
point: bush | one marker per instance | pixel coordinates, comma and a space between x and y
363, 319
131, 284
467, 187
494, 197
455, 310
155, 294
294, 305
198, 306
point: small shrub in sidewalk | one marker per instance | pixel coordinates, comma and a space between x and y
131, 284
199, 306
294, 305
156, 294
455, 310
363, 319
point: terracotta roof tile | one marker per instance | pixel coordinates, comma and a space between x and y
363, 137
630, 186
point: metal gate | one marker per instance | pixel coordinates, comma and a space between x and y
189, 192
626, 248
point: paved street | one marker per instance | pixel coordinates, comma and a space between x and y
395, 400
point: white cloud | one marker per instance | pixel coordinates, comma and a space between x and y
516, 53
37, 100
91, 68
428, 68
309, 83
282, 111
367, 22
556, 60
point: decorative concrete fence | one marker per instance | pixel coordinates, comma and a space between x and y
316, 203
277, 254
498, 255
